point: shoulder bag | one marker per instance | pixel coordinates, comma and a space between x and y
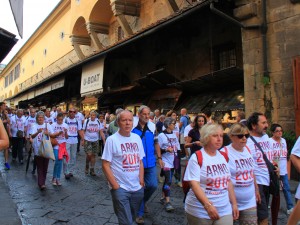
274, 180
46, 149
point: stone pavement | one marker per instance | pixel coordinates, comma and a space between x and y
83, 200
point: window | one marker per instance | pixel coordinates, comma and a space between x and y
120, 33
6, 81
11, 77
17, 71
225, 56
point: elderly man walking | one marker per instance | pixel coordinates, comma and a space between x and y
145, 129
123, 167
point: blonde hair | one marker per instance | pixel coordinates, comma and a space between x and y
238, 128
207, 130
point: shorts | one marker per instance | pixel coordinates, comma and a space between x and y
91, 147
262, 208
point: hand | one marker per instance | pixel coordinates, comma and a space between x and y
142, 183
116, 187
257, 196
212, 212
161, 163
66, 130
235, 212
198, 143
40, 130
170, 149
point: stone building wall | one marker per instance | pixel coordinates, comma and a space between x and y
276, 97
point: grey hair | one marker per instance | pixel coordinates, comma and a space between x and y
118, 110
142, 107
39, 113
120, 113
152, 114
168, 121
207, 130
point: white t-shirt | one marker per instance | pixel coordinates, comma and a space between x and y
91, 130
38, 139
17, 124
125, 154
165, 141
242, 166
280, 150
49, 120
261, 170
79, 116
74, 126
213, 177
175, 131
187, 130
29, 123
296, 151
56, 128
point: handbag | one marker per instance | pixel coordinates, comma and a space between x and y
46, 149
274, 180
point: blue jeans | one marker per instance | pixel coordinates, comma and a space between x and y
150, 186
57, 165
126, 204
287, 191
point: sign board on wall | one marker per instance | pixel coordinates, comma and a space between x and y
92, 78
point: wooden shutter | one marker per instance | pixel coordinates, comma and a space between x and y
296, 77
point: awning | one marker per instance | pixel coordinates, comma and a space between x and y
92, 78
232, 76
157, 79
215, 101
50, 87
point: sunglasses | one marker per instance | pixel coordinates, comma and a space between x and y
277, 131
71, 111
240, 136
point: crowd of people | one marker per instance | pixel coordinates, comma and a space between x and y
223, 164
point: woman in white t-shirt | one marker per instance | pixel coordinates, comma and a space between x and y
211, 199
92, 129
36, 133
60, 133
279, 149
241, 164
168, 145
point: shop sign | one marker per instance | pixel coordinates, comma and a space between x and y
92, 78
58, 84
31, 95
42, 90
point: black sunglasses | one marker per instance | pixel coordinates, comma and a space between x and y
240, 136
71, 111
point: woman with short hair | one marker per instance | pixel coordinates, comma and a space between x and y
211, 199
241, 164
168, 146
92, 128
36, 136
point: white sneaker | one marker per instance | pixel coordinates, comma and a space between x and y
289, 211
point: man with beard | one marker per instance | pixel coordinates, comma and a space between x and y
257, 124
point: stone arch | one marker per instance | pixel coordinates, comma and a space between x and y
16, 90
105, 15
79, 28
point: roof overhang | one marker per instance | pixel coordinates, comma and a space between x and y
7, 42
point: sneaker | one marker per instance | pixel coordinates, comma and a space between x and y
169, 207
43, 187
139, 220
179, 184
54, 182
71, 174
162, 201
58, 182
92, 172
67, 176
7, 166
289, 211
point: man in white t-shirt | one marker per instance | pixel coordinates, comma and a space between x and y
123, 167
30, 121
257, 124
74, 131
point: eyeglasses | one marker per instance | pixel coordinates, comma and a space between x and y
240, 136
277, 131
173, 123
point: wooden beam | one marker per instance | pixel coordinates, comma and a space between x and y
172, 5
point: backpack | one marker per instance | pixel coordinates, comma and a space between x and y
185, 184
87, 122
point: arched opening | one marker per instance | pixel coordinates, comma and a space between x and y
16, 90
10, 94
79, 28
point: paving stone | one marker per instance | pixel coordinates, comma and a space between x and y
87, 220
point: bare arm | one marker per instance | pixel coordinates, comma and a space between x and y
296, 162
4, 142
295, 216
158, 153
235, 210
141, 175
102, 136
109, 174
